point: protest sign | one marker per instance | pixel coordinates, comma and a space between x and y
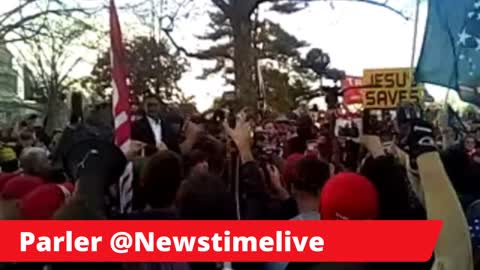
352, 90
352, 81
387, 88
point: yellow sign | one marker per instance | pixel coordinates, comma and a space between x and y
387, 88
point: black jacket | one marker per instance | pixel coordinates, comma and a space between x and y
397, 200
142, 131
256, 203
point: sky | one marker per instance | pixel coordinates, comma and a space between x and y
357, 36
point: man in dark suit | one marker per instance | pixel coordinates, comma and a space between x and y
153, 129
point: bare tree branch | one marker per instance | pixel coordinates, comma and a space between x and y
26, 26
23, 36
220, 51
221, 4
178, 47
384, 4
5, 16
5, 29
129, 6
69, 70
172, 17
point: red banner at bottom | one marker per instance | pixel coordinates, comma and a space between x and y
211, 241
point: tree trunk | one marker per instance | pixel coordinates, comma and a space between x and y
244, 60
56, 113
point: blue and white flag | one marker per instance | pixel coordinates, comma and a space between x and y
451, 49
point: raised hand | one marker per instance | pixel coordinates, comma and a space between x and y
135, 150
373, 145
275, 180
241, 134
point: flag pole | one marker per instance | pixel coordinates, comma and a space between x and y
121, 108
446, 97
415, 34
414, 45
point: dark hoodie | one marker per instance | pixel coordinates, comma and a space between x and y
456, 162
397, 201
305, 132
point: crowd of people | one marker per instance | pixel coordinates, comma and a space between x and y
287, 167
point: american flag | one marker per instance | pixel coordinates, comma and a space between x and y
121, 107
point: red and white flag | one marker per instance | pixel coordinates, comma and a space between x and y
121, 106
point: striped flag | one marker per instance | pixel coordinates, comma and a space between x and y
121, 107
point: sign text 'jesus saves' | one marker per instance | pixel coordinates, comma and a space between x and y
387, 88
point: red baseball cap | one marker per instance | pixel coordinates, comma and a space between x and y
349, 196
19, 186
44, 201
290, 168
5, 177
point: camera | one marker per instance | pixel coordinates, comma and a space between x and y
349, 131
265, 151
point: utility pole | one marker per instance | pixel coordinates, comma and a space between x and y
153, 18
261, 94
163, 4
